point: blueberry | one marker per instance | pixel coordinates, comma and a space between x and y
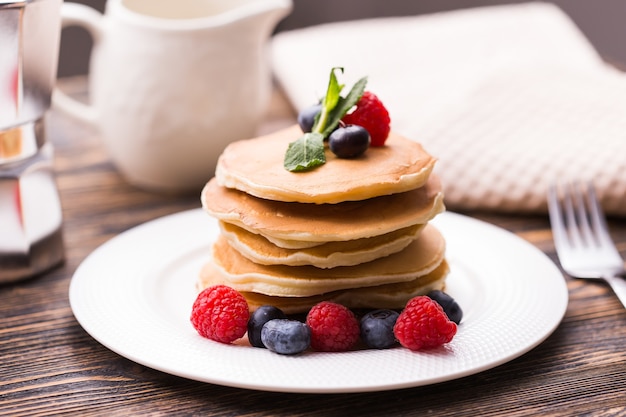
306, 117
349, 141
285, 336
257, 319
377, 328
449, 304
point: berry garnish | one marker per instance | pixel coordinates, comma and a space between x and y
220, 313
258, 318
334, 328
377, 328
307, 151
349, 141
285, 336
449, 305
306, 117
423, 324
373, 116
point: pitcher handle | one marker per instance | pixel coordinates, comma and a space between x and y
75, 14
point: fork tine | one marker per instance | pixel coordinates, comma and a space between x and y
599, 225
571, 220
583, 214
556, 217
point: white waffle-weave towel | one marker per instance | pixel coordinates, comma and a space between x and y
508, 98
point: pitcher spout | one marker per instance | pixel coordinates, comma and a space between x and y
264, 13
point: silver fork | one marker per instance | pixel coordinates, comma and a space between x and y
581, 236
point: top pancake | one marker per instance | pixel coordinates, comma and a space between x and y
255, 166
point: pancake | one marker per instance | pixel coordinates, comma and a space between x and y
419, 258
328, 255
392, 296
296, 225
255, 166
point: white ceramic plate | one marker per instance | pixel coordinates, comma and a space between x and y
134, 295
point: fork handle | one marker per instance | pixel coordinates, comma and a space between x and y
618, 284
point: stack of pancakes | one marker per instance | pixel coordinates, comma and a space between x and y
353, 231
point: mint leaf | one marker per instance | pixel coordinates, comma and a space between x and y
334, 89
344, 105
305, 153
331, 99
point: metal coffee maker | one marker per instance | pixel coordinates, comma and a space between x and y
30, 208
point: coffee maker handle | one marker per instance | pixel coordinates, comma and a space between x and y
75, 14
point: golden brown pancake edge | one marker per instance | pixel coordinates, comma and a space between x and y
419, 258
297, 222
391, 296
259, 249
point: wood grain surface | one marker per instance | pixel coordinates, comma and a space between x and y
50, 366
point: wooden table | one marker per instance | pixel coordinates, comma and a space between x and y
50, 365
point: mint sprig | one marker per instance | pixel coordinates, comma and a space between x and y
307, 152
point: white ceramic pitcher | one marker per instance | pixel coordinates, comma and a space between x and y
171, 83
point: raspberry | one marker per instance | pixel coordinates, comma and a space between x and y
220, 313
334, 328
371, 114
423, 324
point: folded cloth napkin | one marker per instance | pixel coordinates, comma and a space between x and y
508, 98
